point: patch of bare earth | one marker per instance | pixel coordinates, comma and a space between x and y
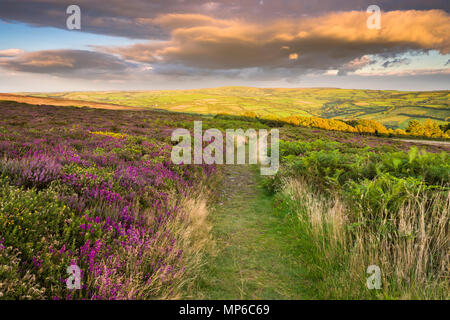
63, 102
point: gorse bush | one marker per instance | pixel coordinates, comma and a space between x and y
363, 126
428, 129
35, 222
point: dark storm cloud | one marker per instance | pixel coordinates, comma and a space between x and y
79, 63
133, 18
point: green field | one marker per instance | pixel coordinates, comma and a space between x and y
392, 108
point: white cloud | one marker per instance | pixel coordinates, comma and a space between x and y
11, 52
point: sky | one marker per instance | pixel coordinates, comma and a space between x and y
186, 44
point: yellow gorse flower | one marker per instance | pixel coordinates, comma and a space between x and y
109, 134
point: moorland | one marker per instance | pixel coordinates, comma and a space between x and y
96, 188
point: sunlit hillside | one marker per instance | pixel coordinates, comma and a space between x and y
392, 108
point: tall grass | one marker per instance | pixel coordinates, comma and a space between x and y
410, 247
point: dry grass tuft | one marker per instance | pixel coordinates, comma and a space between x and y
411, 247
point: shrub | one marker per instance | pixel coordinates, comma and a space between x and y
37, 171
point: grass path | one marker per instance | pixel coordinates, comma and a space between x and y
255, 256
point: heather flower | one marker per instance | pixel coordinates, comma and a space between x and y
37, 171
117, 188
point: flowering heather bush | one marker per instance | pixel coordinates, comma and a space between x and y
35, 171
95, 188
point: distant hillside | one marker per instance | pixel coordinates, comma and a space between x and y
392, 108
61, 102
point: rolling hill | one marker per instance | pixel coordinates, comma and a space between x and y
392, 108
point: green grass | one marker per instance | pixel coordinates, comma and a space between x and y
356, 204
256, 255
393, 108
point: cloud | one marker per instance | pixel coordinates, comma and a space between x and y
354, 65
10, 53
229, 38
134, 18
331, 41
396, 62
78, 63
401, 73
